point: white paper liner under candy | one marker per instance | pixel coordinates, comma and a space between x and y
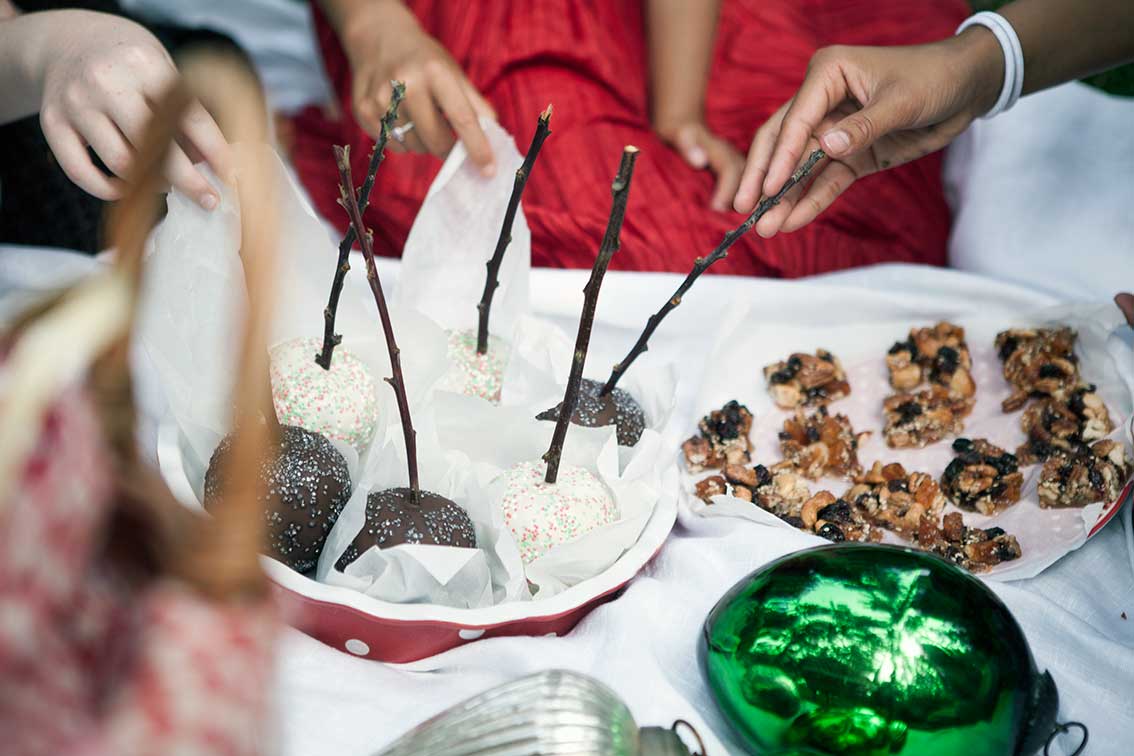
1045, 535
193, 295
490, 574
454, 235
496, 438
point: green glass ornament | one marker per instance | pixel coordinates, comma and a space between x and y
865, 650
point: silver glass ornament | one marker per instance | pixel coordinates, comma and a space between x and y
554, 712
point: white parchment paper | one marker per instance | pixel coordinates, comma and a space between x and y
494, 439
454, 235
1044, 534
194, 297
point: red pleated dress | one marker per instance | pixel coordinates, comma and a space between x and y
588, 58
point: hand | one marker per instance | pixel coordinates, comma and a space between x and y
702, 149
100, 74
384, 42
870, 108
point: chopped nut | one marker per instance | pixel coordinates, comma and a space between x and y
889, 497
923, 418
1038, 362
938, 354
709, 487
820, 444
1084, 477
809, 512
983, 477
740, 475
806, 380
1063, 426
723, 439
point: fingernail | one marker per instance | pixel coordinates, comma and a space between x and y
489, 170
209, 201
697, 157
741, 201
836, 142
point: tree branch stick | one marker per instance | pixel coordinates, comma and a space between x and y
620, 191
701, 264
543, 129
397, 382
330, 338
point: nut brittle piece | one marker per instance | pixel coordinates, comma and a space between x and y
975, 549
723, 439
891, 498
819, 444
836, 520
1063, 425
937, 354
1075, 480
922, 418
1037, 362
983, 478
804, 380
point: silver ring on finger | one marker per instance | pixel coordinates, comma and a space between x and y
399, 132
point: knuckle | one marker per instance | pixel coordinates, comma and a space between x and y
116, 159
137, 56
50, 118
435, 68
823, 57
463, 118
100, 74
74, 96
863, 127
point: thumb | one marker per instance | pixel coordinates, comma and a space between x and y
858, 131
689, 145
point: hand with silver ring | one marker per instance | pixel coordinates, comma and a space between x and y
383, 42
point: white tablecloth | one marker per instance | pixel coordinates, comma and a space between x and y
644, 643
1078, 615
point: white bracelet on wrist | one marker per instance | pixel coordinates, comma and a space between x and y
1013, 57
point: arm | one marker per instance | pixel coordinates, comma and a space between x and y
18, 75
873, 108
680, 35
91, 76
383, 40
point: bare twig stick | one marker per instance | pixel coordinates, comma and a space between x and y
330, 338
620, 190
543, 129
397, 382
701, 264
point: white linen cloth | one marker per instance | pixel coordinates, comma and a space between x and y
1044, 194
644, 644
1078, 615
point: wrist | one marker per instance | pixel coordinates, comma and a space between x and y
359, 28
668, 121
978, 61
25, 54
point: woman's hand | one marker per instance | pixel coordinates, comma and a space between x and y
384, 42
99, 76
703, 149
870, 108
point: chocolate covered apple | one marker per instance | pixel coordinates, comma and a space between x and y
403, 514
